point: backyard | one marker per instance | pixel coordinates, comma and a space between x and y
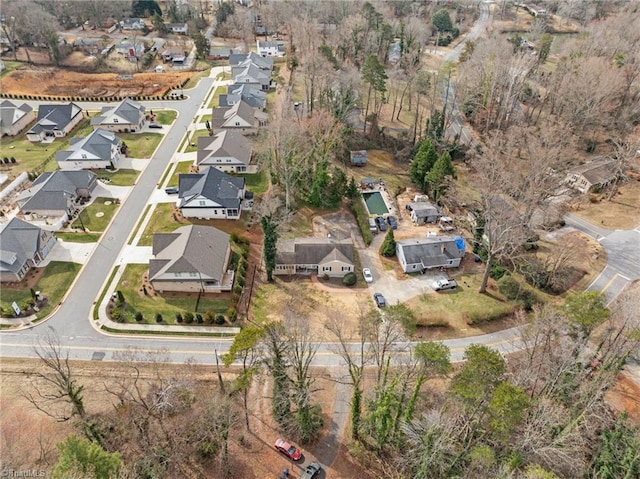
167, 304
97, 215
52, 284
380, 164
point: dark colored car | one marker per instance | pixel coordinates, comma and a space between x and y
155, 125
379, 299
392, 222
171, 190
311, 471
288, 449
381, 223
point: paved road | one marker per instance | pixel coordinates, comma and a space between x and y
623, 255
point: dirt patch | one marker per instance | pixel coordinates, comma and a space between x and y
621, 212
29, 281
625, 394
55, 82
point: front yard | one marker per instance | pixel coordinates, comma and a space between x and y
167, 304
97, 215
181, 168
193, 140
141, 145
122, 177
53, 284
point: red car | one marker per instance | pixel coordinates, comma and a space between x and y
288, 449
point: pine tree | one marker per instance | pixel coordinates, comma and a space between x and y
422, 163
436, 178
388, 247
269, 244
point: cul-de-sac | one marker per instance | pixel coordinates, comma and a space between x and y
319, 239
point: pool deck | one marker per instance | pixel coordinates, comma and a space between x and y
389, 201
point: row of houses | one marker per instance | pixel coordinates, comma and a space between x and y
130, 24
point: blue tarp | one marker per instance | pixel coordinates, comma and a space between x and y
460, 243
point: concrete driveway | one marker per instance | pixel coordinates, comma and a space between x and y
103, 190
69, 252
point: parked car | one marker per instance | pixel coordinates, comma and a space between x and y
288, 449
444, 284
392, 222
381, 223
155, 126
379, 299
311, 471
172, 190
368, 277
372, 226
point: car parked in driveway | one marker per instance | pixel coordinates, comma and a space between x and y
172, 190
368, 277
392, 222
381, 223
311, 471
379, 299
288, 449
155, 126
444, 284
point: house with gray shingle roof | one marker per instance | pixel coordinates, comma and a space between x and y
54, 121
270, 48
14, 118
244, 92
22, 247
423, 212
132, 24
324, 256
596, 173
131, 51
239, 117
418, 255
192, 258
227, 151
100, 149
127, 116
57, 193
250, 74
210, 195
261, 62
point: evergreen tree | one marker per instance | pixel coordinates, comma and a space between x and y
437, 177
269, 244
442, 21
82, 458
388, 247
374, 74
202, 45
422, 163
352, 190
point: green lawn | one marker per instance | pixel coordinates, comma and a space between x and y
141, 145
458, 306
166, 117
37, 156
193, 139
103, 211
9, 66
215, 99
53, 284
167, 305
161, 222
78, 237
183, 167
122, 177
257, 183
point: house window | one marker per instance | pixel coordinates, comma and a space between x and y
232, 212
202, 203
326, 268
84, 156
115, 120
193, 275
346, 268
228, 160
237, 123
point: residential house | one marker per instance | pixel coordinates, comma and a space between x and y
22, 247
358, 158
100, 149
423, 212
270, 48
192, 258
131, 51
14, 118
90, 46
217, 53
245, 92
228, 151
250, 74
324, 256
597, 173
211, 194
132, 24
54, 121
168, 54
178, 28
127, 116
57, 194
418, 255
261, 62
239, 117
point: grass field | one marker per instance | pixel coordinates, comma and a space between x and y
183, 167
166, 117
215, 99
161, 222
257, 183
78, 237
53, 284
193, 140
141, 145
97, 215
122, 177
167, 305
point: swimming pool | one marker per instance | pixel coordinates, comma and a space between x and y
375, 203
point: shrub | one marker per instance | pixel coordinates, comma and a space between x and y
349, 279
388, 247
231, 314
179, 318
199, 319
158, 318
514, 291
120, 297
188, 317
209, 317
497, 271
237, 289
138, 316
362, 218
116, 315
219, 318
